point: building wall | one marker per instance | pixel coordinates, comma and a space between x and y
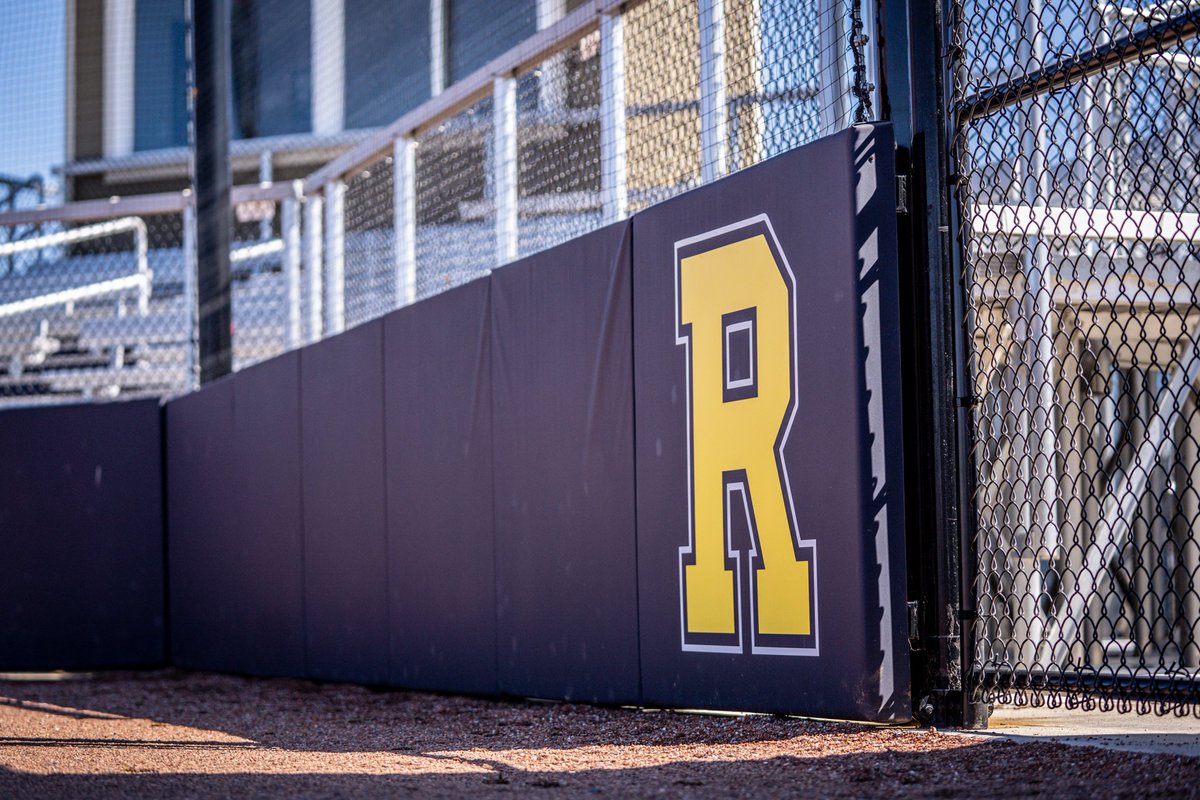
88, 79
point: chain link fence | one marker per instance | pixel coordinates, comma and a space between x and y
1075, 142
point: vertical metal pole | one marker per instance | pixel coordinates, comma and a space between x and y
1091, 119
213, 178
1141, 387
1039, 518
335, 261
290, 230
439, 65
552, 85
1158, 517
120, 31
191, 358
714, 104
614, 191
313, 265
404, 184
328, 66
266, 175
870, 53
1073, 398
1091, 489
938, 445
142, 243
504, 164
1189, 546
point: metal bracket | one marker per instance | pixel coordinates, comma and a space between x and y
901, 194
914, 625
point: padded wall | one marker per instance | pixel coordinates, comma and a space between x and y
81, 537
566, 582
456, 497
821, 218
233, 462
345, 528
437, 397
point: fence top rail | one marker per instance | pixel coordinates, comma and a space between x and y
142, 205
462, 94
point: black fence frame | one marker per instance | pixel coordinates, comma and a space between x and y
917, 56
914, 78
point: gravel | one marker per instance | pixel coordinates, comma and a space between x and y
180, 735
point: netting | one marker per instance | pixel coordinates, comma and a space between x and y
95, 310
434, 142
1076, 143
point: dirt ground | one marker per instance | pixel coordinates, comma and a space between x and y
178, 734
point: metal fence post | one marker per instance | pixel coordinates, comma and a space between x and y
266, 176
313, 265
335, 257
438, 63
913, 80
213, 179
504, 164
714, 102
404, 185
328, 45
1038, 462
614, 192
290, 231
191, 379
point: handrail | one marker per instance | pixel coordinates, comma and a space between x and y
139, 205
123, 225
471, 89
72, 295
141, 280
256, 250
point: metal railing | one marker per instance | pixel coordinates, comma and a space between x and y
139, 281
77, 343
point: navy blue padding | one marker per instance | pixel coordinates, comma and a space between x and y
438, 409
81, 542
235, 536
563, 432
345, 532
831, 207
200, 529
269, 633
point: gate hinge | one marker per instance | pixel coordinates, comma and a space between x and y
901, 194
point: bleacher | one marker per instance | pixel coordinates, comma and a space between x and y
104, 345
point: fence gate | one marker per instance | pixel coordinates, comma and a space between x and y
1075, 139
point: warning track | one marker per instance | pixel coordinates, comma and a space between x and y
177, 734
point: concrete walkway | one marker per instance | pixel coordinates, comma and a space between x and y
1111, 730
